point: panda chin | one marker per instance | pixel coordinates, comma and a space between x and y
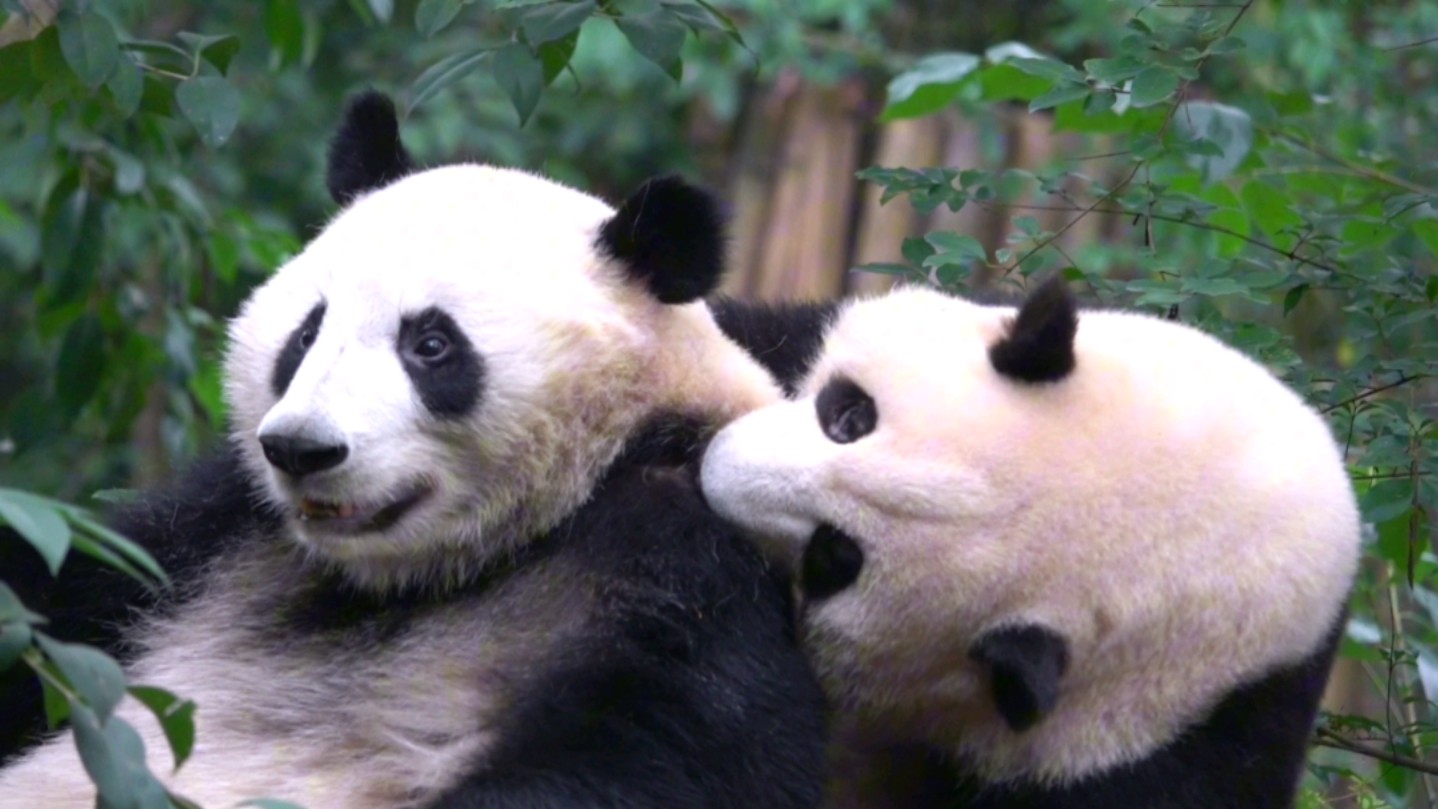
324, 516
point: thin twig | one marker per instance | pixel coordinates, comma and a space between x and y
1327, 738
1417, 44
1289, 254
1403, 379
1361, 170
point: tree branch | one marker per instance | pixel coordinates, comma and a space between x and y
1403, 379
1327, 738
1292, 255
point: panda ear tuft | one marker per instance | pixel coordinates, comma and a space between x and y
366, 152
1040, 344
1025, 665
670, 236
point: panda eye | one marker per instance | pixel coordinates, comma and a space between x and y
431, 347
846, 413
307, 337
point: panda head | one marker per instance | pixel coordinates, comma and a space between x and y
1040, 539
450, 364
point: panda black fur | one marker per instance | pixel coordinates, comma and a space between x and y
1051, 559
447, 560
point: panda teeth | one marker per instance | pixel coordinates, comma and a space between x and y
321, 510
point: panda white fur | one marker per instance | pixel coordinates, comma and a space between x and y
447, 561
1076, 560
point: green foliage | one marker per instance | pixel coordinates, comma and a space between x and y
1292, 215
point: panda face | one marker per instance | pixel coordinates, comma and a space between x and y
418, 392
952, 473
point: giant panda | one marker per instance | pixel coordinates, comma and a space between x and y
451, 557
1048, 558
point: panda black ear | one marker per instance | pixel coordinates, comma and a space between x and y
366, 152
1040, 344
1025, 665
670, 236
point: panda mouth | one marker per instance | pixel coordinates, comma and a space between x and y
359, 517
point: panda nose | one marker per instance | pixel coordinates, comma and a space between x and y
301, 456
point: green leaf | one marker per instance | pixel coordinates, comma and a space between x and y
932, 84
1049, 69
80, 366
13, 610
1366, 233
555, 55
17, 79
1004, 51
177, 718
57, 707
1004, 83
93, 675
549, 21
1151, 86
126, 87
1061, 94
916, 250
47, 58
383, 9
1427, 230
697, 17
1297, 102
117, 496
658, 37
105, 556
127, 549
217, 49
1155, 292
1113, 72
1292, 298
285, 28
71, 241
953, 248
724, 20
212, 104
1224, 45
15, 638
90, 46
114, 756
1387, 499
432, 16
39, 523
1269, 207
521, 76
1214, 287
442, 74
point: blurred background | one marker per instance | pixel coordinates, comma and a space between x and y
1264, 170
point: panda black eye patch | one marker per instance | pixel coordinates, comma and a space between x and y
846, 412
296, 346
447, 373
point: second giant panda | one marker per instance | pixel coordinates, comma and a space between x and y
1064, 560
447, 562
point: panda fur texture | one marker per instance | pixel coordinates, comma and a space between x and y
1063, 560
451, 559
